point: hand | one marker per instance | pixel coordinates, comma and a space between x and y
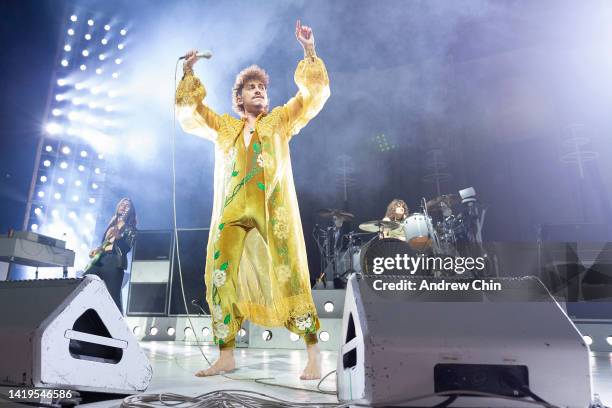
190, 60
93, 252
304, 35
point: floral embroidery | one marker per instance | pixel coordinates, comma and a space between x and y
217, 313
303, 322
281, 230
219, 277
283, 272
281, 214
264, 160
221, 330
217, 235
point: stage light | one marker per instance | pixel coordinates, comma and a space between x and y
136, 330
46, 163
63, 165
83, 153
53, 128
34, 227
324, 336
188, 331
84, 246
57, 196
48, 148
70, 31
118, 61
43, 179
170, 330
92, 200
153, 331
101, 57
83, 67
88, 36
56, 112
85, 53
205, 331
64, 63
41, 194
123, 32
79, 85
73, 18
73, 116
588, 340
71, 131
266, 335
94, 186
55, 213
100, 156
60, 98
115, 75
97, 170
72, 215
293, 337
121, 46
99, 71
61, 180
609, 340
38, 211
90, 22
104, 41
78, 183
81, 167
67, 48
61, 82
111, 94
75, 198
329, 307
92, 105
106, 27
89, 217
95, 90
77, 101
242, 332
108, 108
66, 150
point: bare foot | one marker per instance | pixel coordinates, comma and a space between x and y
313, 365
224, 364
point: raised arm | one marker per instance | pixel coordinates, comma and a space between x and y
312, 81
191, 112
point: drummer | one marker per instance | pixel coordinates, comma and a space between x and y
397, 211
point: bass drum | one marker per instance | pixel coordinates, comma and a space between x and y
385, 248
420, 233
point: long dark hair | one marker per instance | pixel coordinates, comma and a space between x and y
130, 219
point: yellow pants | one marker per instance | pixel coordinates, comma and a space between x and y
245, 212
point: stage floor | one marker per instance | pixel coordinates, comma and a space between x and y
175, 363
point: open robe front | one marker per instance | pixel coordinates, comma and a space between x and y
273, 284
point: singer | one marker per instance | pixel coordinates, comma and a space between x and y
256, 267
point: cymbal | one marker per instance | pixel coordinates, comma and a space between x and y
377, 225
449, 199
333, 212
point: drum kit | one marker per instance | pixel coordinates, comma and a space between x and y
448, 225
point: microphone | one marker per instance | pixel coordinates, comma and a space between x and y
199, 55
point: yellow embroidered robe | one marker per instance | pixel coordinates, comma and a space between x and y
273, 285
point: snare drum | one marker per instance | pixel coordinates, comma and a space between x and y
419, 232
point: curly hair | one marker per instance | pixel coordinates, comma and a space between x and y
251, 73
391, 209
